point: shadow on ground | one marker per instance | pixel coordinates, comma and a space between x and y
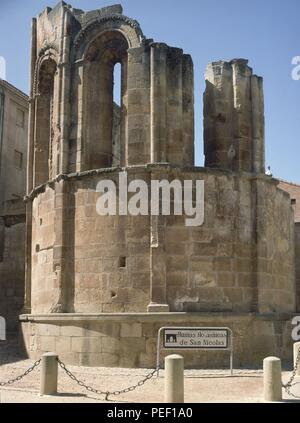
13, 349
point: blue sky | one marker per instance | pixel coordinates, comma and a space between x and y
265, 32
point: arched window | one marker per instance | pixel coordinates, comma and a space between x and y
44, 122
117, 115
105, 71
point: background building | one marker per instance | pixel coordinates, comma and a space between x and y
294, 191
13, 161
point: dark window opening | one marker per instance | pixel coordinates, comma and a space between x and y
122, 262
18, 159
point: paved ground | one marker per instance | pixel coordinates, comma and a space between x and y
200, 386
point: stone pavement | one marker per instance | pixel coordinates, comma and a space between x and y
200, 386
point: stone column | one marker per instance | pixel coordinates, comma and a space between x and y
175, 149
65, 76
188, 110
136, 99
158, 68
61, 189
30, 158
158, 276
123, 148
59, 248
78, 107
242, 122
233, 117
258, 124
219, 145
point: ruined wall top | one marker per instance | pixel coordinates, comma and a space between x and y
234, 123
49, 25
73, 122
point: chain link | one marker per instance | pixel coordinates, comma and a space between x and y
16, 379
288, 386
107, 394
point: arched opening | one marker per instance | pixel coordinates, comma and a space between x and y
117, 83
44, 122
105, 82
117, 114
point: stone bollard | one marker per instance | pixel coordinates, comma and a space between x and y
49, 371
296, 352
174, 379
272, 379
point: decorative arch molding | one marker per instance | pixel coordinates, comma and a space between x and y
49, 52
45, 92
129, 28
104, 124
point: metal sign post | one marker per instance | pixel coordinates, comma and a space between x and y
197, 338
2, 329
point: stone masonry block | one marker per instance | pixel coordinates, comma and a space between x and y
131, 330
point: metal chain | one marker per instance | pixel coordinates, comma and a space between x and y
288, 386
107, 393
16, 379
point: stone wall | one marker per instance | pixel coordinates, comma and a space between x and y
240, 259
234, 127
130, 340
13, 158
13, 144
294, 191
12, 258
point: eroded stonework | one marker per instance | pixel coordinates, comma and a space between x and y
241, 260
13, 152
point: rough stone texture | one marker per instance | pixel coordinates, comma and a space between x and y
234, 117
129, 340
12, 270
13, 145
294, 191
13, 153
221, 266
241, 260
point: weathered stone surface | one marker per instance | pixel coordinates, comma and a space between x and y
254, 335
241, 260
234, 117
13, 154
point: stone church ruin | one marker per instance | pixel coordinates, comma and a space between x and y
98, 288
